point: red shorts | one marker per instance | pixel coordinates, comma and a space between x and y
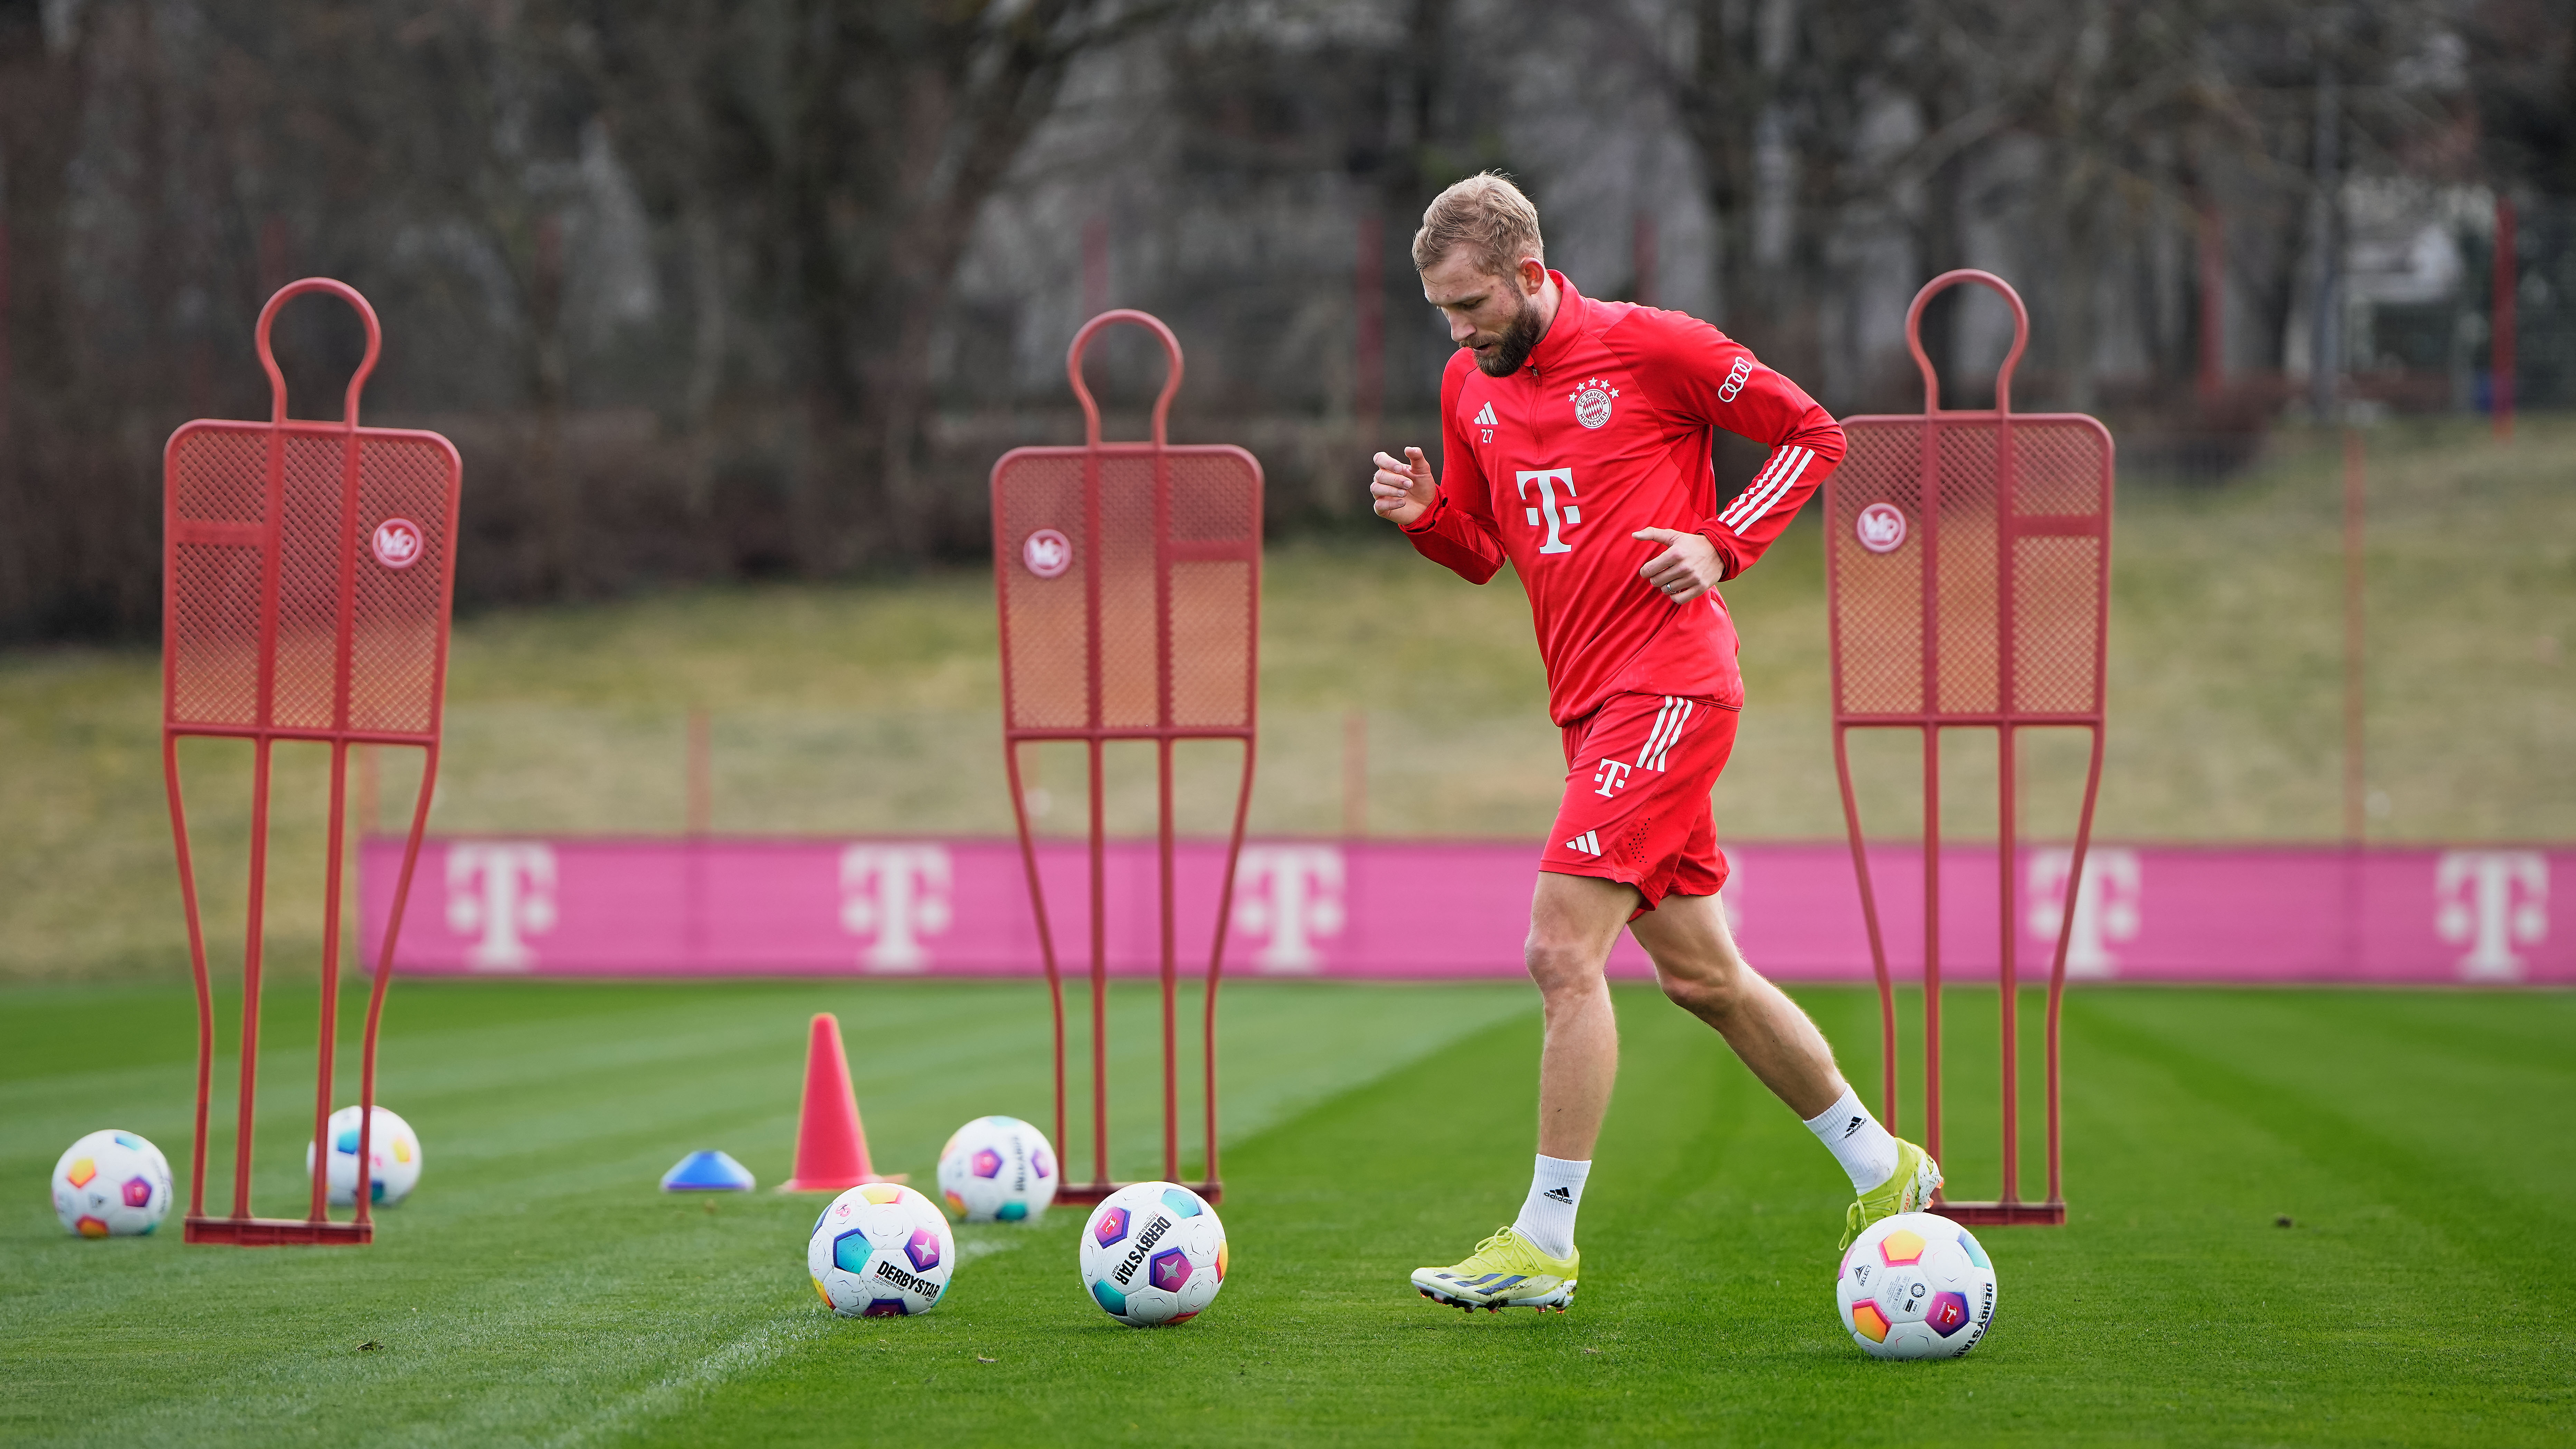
1638, 773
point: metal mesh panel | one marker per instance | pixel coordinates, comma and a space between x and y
217, 479
2061, 467
1967, 664
1878, 618
308, 587
2060, 543
1130, 684
217, 475
1043, 618
393, 668
214, 634
1212, 645
2057, 624
220, 476
1212, 496
1213, 502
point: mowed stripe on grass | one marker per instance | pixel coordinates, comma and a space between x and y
539, 1291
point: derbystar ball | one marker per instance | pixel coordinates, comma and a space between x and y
1153, 1253
881, 1250
393, 1152
112, 1185
1916, 1285
997, 1169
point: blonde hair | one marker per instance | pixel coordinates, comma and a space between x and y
1486, 213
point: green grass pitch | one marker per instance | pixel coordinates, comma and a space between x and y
539, 1290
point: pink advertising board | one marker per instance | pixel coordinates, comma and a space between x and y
1449, 909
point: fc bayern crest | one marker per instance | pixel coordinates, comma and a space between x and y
1881, 528
1592, 402
1047, 553
397, 543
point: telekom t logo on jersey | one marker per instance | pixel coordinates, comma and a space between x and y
1549, 480
897, 896
500, 893
2492, 901
1289, 896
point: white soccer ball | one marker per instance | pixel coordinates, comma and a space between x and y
393, 1150
112, 1185
997, 1169
1916, 1285
881, 1250
1153, 1253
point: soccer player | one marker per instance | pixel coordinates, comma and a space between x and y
1577, 438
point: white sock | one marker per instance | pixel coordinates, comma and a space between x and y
1856, 1140
1547, 1214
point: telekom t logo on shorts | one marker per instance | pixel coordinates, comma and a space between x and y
896, 896
1611, 775
1549, 480
1290, 898
500, 892
2492, 901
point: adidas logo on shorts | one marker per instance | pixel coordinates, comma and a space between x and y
1588, 843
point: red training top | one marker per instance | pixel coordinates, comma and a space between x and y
1605, 432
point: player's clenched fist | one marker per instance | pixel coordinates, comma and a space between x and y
1403, 488
1687, 568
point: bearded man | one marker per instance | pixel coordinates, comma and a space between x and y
1577, 440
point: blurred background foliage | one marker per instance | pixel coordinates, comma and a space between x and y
715, 291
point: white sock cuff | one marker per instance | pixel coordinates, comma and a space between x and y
1867, 1153
1561, 1172
1836, 1116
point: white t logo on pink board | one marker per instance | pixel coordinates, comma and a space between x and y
1047, 553
2492, 901
1289, 898
500, 892
898, 896
1880, 528
397, 543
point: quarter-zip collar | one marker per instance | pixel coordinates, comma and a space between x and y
1573, 319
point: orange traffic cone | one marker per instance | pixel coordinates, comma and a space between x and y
831, 1146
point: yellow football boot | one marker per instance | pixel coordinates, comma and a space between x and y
1505, 1271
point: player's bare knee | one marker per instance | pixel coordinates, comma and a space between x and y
1711, 990
1560, 967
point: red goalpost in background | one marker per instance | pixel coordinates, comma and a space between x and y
1128, 577
306, 589
1967, 577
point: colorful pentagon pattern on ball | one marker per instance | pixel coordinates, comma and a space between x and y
881, 1250
1153, 1253
1868, 1322
923, 1249
111, 1184
1916, 1285
393, 1152
997, 1169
